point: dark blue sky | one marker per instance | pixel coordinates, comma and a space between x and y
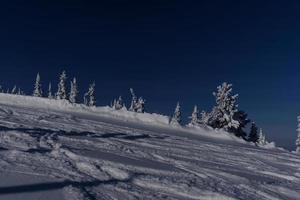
168, 51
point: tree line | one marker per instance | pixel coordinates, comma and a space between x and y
224, 115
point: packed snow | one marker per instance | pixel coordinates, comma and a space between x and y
51, 149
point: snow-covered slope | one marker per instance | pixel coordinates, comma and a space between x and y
52, 150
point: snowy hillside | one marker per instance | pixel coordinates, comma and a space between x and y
53, 150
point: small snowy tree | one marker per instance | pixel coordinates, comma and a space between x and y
134, 101
89, 96
195, 117
176, 119
37, 87
262, 138
61, 89
50, 96
253, 135
204, 118
222, 115
14, 90
118, 104
298, 139
140, 107
73, 92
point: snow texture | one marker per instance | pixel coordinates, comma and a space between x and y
53, 149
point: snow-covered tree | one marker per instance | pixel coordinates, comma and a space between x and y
37, 92
204, 118
176, 119
195, 117
118, 104
50, 96
73, 92
134, 101
14, 90
262, 138
222, 115
61, 89
253, 135
89, 96
140, 107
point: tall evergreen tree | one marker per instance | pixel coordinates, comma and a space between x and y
195, 116
50, 96
37, 86
73, 92
61, 91
176, 119
253, 135
226, 106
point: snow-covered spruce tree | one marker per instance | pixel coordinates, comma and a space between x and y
50, 96
37, 92
140, 107
14, 90
204, 118
73, 92
195, 117
61, 89
222, 115
176, 119
118, 104
134, 101
89, 97
262, 138
253, 135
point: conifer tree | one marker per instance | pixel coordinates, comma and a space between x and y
61, 91
118, 104
195, 117
204, 118
14, 90
89, 97
73, 92
253, 135
37, 86
133, 105
50, 96
176, 119
262, 138
140, 107
222, 115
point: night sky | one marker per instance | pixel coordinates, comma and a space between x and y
168, 51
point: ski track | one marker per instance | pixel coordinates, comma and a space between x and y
93, 159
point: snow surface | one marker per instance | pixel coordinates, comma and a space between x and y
53, 150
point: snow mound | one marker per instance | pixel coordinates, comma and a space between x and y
64, 105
